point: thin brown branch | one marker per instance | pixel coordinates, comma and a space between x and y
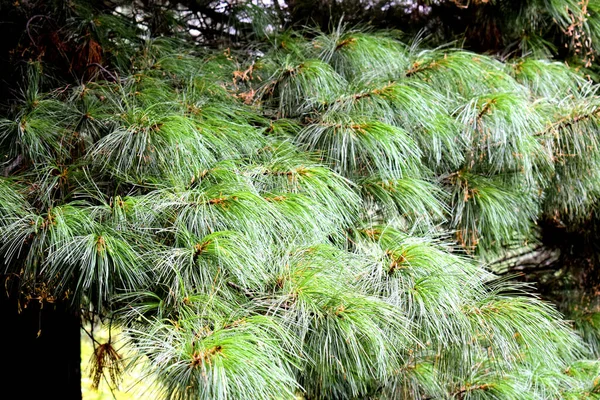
568, 121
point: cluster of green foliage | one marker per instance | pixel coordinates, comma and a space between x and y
567, 29
274, 223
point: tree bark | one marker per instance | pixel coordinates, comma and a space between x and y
42, 348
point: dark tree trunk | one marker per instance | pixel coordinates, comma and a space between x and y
41, 345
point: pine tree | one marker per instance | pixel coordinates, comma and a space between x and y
307, 217
564, 29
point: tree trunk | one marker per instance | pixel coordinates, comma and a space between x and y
43, 341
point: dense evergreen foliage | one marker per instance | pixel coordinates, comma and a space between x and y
306, 216
561, 28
